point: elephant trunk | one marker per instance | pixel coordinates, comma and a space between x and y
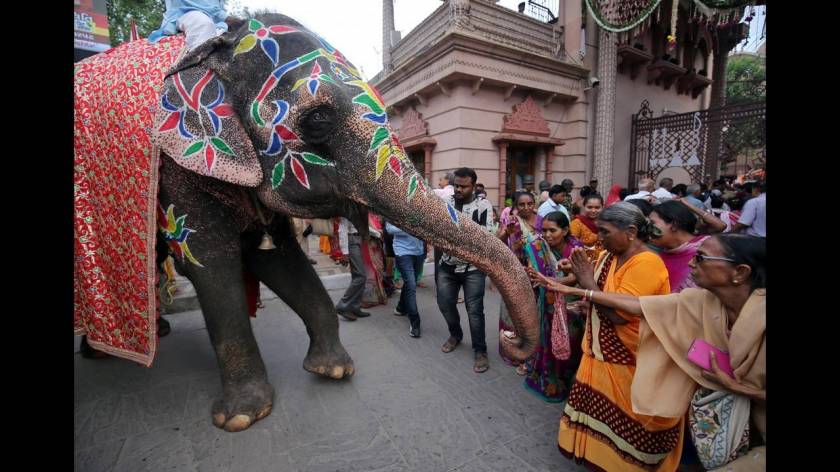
427, 216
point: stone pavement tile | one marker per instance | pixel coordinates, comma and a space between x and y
159, 450
496, 457
433, 436
210, 447
308, 411
163, 404
98, 458
202, 391
81, 414
539, 450
114, 417
523, 406
492, 423
366, 448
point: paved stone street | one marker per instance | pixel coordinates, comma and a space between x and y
409, 406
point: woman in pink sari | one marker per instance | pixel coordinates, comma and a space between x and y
676, 225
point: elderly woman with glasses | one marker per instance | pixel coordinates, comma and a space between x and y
728, 312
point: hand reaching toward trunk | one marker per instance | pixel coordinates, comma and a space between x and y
540, 280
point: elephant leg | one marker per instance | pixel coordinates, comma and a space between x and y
207, 246
288, 273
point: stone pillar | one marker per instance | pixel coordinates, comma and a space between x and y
387, 29
549, 163
502, 174
572, 19
605, 118
725, 42
427, 163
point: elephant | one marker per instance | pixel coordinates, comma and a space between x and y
267, 122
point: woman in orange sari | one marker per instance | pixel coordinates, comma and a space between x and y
598, 426
583, 226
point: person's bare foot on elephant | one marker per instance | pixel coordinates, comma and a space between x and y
329, 361
243, 405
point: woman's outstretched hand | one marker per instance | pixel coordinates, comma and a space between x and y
539, 280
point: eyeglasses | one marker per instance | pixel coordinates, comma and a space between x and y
698, 258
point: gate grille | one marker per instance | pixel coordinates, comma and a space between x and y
699, 142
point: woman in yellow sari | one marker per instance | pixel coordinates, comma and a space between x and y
598, 426
583, 227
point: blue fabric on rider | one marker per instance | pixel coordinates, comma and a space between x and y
175, 9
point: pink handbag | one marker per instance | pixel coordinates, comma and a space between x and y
560, 346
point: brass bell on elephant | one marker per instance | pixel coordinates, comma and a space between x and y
267, 242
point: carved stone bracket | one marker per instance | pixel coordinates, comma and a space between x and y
477, 85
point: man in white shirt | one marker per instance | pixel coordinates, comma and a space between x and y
556, 197
454, 274
754, 217
663, 193
645, 189
544, 186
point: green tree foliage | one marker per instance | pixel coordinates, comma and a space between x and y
746, 79
745, 83
148, 14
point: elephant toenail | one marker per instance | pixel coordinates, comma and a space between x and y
238, 423
264, 412
219, 419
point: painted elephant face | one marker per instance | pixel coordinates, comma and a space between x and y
273, 106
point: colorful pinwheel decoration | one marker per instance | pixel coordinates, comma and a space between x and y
192, 101
176, 233
260, 34
314, 80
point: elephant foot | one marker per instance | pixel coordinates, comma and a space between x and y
329, 360
242, 405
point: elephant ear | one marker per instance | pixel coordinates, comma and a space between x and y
198, 128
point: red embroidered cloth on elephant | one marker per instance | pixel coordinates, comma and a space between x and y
115, 196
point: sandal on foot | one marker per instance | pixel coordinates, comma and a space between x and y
450, 344
481, 362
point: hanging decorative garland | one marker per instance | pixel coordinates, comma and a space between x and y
619, 16
631, 17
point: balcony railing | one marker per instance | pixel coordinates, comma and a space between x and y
494, 23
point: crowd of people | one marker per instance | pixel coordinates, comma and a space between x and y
651, 302
627, 287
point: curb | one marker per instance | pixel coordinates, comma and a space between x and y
186, 299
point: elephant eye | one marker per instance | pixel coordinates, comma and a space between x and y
317, 125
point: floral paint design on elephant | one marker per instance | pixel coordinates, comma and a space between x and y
191, 102
385, 145
176, 233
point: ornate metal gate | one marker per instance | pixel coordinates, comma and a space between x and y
701, 142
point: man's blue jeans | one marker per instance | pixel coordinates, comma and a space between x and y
409, 267
449, 283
